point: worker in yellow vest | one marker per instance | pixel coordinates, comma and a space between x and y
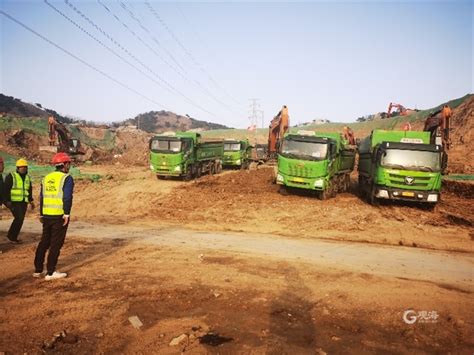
18, 194
55, 207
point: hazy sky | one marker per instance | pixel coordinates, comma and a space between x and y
329, 60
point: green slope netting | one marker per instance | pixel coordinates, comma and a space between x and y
34, 125
459, 177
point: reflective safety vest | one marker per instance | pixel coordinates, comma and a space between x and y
20, 191
52, 189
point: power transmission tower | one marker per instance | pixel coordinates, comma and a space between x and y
253, 116
254, 109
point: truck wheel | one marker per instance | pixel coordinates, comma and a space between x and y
361, 187
429, 206
160, 177
189, 173
212, 169
347, 183
372, 199
283, 191
218, 168
323, 195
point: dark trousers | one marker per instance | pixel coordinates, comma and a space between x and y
53, 237
18, 211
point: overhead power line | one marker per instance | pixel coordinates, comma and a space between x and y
149, 32
186, 51
82, 60
134, 34
105, 46
153, 38
129, 53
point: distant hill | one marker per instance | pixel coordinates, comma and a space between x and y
15, 107
162, 121
12, 106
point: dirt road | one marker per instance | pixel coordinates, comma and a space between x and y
228, 293
455, 270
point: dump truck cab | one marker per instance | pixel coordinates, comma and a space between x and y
315, 161
184, 154
399, 165
236, 153
171, 152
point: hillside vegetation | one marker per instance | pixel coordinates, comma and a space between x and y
162, 121
23, 135
361, 129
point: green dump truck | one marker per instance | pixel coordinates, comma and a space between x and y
185, 155
400, 165
321, 162
237, 153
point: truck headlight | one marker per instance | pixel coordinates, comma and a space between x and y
280, 178
177, 168
382, 194
319, 183
237, 161
151, 167
432, 198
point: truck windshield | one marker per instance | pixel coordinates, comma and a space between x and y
231, 147
165, 145
304, 150
411, 160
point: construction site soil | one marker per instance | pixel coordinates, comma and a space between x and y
219, 301
248, 201
193, 297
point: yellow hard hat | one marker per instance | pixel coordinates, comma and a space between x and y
21, 162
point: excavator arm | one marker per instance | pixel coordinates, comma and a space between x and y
278, 127
401, 109
439, 124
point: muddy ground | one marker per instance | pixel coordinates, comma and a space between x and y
225, 301
247, 201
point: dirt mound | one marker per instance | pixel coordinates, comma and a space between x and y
94, 132
245, 182
461, 188
132, 147
19, 142
461, 156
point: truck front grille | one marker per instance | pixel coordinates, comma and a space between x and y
420, 181
295, 170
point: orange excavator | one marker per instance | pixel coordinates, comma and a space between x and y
402, 110
278, 127
438, 124
60, 137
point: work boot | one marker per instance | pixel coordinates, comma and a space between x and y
55, 275
16, 241
38, 274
